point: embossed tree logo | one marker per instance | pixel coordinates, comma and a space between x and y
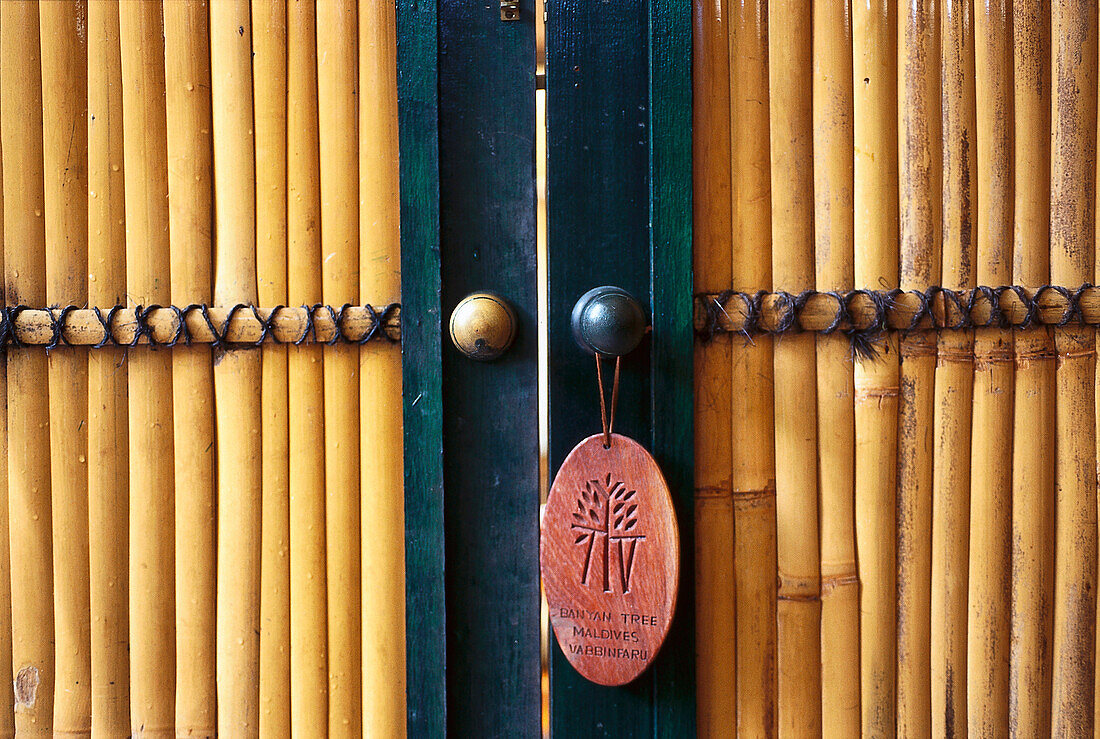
608, 513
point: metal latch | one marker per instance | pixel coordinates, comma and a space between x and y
509, 10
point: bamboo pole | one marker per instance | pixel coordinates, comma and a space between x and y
919, 181
152, 479
715, 618
28, 412
269, 83
1033, 425
752, 419
108, 443
65, 165
874, 29
954, 382
237, 373
187, 86
308, 621
833, 249
790, 47
337, 76
381, 441
1072, 232
991, 456
7, 698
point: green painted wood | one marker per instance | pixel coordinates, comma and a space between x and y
417, 83
619, 211
490, 421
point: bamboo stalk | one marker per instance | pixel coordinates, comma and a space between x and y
919, 174
187, 86
991, 453
237, 373
152, 479
790, 46
954, 382
833, 249
715, 618
28, 412
65, 164
308, 621
1072, 232
875, 139
382, 487
269, 83
337, 75
1033, 425
752, 418
7, 698
108, 443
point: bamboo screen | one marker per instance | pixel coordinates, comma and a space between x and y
207, 537
904, 543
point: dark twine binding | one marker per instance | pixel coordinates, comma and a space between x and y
379, 329
866, 342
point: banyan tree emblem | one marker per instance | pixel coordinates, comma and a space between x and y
606, 520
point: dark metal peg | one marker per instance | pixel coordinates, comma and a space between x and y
608, 321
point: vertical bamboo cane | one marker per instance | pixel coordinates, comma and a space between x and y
874, 29
337, 74
991, 456
954, 382
308, 622
65, 164
919, 167
790, 46
152, 537
833, 220
1072, 231
7, 704
237, 374
753, 449
187, 86
382, 474
28, 412
715, 625
1033, 438
108, 472
269, 82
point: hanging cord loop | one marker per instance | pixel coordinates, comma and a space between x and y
608, 420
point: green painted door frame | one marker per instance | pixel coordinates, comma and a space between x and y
619, 145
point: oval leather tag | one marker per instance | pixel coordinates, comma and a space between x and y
610, 559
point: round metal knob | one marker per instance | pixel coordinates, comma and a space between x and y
609, 321
483, 326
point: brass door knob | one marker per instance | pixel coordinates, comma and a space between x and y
483, 326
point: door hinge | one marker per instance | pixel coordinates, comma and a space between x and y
509, 10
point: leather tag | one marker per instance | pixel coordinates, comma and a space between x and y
610, 559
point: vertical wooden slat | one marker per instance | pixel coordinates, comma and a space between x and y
919, 165
954, 380
991, 457
1033, 423
237, 373
752, 419
1072, 232
187, 103
716, 674
874, 29
834, 255
28, 413
152, 539
790, 47
65, 166
337, 70
308, 629
381, 475
108, 471
7, 698
269, 71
